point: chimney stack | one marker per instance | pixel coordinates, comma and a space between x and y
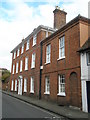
59, 18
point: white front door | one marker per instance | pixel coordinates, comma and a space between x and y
20, 85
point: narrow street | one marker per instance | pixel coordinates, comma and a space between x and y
14, 108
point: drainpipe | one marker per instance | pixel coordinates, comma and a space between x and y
41, 67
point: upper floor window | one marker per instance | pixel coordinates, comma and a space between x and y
22, 50
14, 55
25, 85
18, 52
46, 33
88, 58
33, 61
21, 66
62, 47
61, 85
34, 39
26, 63
48, 53
17, 67
32, 85
13, 69
15, 85
47, 85
27, 45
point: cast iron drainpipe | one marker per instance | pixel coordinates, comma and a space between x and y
40, 70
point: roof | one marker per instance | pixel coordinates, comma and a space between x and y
73, 21
86, 46
35, 31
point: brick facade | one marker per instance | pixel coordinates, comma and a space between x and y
31, 72
69, 65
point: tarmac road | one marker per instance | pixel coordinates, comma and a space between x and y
14, 108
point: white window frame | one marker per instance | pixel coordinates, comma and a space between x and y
27, 45
34, 39
15, 85
21, 65
18, 52
14, 56
33, 60
25, 85
61, 85
13, 69
12, 85
17, 65
32, 85
48, 53
62, 47
47, 85
88, 58
46, 33
22, 50
26, 63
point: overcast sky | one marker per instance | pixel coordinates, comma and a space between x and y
18, 18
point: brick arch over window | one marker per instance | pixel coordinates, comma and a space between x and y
74, 101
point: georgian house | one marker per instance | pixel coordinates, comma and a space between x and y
26, 62
47, 65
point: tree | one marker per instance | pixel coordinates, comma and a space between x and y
5, 75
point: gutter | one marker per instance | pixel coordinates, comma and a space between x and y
41, 68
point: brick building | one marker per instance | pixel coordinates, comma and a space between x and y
50, 68
26, 62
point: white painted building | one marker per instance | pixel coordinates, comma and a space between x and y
85, 75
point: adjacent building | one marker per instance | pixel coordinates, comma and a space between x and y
47, 65
85, 75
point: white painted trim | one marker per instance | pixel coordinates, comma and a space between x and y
84, 96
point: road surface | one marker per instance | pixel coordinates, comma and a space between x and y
14, 108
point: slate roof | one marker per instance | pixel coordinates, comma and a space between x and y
86, 46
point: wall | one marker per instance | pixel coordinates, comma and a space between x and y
71, 64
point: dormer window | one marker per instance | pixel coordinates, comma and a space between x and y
18, 52
27, 45
34, 39
22, 50
14, 55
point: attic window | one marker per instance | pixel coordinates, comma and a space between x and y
34, 39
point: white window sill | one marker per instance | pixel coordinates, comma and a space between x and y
20, 71
27, 49
61, 58
47, 63
32, 92
26, 69
61, 94
32, 67
25, 91
33, 45
46, 93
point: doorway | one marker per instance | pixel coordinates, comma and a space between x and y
88, 95
20, 85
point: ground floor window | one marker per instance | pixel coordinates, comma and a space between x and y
61, 85
32, 85
25, 85
47, 85
12, 85
15, 85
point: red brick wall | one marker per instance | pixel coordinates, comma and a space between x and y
66, 66
35, 72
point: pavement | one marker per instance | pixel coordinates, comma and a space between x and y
65, 111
